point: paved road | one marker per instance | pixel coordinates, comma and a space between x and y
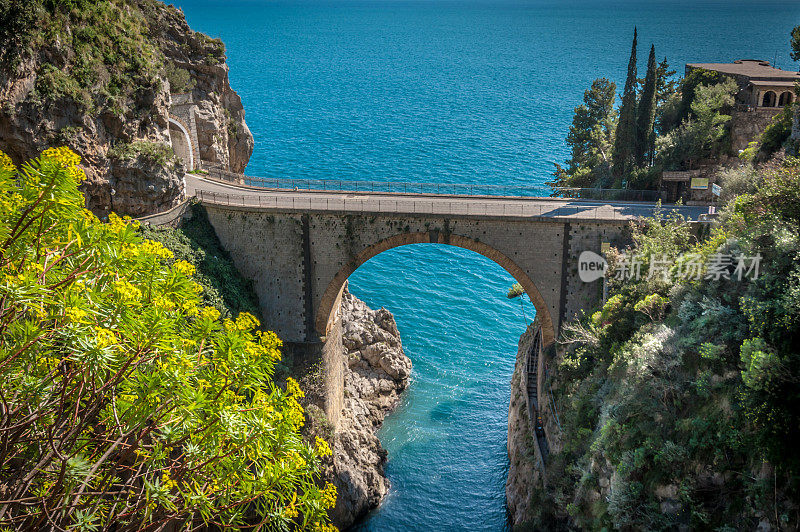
216, 192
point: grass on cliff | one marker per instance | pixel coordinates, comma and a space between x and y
103, 55
195, 241
155, 152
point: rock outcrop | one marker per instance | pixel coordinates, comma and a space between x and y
523, 470
102, 80
222, 134
377, 371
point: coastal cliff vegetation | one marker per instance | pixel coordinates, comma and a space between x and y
195, 242
128, 402
660, 124
100, 77
679, 399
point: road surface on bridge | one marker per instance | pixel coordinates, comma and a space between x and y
221, 193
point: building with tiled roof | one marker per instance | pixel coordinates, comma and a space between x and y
764, 91
761, 84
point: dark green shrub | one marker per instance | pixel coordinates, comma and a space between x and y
155, 152
777, 133
17, 22
196, 242
179, 79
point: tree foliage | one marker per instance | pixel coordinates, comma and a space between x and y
196, 242
126, 404
676, 380
704, 133
794, 147
17, 22
777, 132
666, 85
610, 148
686, 90
646, 113
515, 291
590, 137
795, 43
625, 137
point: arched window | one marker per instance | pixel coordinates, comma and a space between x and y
769, 99
785, 99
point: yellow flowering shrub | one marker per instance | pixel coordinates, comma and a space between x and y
125, 401
323, 448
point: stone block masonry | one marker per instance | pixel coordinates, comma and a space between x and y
300, 261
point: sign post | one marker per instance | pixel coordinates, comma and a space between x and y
716, 190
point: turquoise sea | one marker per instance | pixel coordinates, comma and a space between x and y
450, 91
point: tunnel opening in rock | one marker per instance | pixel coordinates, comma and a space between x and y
181, 143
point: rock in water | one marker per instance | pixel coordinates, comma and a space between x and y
376, 372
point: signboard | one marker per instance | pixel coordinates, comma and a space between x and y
605, 247
679, 175
699, 183
716, 189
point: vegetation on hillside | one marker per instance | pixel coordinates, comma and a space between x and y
660, 125
613, 148
102, 55
155, 152
680, 398
127, 402
113, 56
195, 242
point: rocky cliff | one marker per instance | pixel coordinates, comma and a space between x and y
522, 470
376, 372
102, 77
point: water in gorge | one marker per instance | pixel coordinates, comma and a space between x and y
462, 92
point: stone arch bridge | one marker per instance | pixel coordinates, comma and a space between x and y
300, 246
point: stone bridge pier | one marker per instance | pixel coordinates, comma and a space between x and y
299, 262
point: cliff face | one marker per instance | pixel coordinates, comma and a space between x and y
376, 372
102, 79
222, 134
523, 470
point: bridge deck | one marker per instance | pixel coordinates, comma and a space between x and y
215, 192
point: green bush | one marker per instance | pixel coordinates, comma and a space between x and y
195, 241
777, 133
106, 51
179, 79
18, 20
156, 152
54, 84
704, 133
127, 404
673, 381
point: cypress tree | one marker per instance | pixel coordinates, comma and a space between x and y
625, 139
646, 112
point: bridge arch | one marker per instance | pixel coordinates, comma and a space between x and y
331, 298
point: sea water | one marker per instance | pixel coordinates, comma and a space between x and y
451, 91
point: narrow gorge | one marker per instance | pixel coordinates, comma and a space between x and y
374, 372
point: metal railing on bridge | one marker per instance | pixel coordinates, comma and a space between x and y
450, 189
435, 206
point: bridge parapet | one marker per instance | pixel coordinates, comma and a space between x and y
446, 189
426, 205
